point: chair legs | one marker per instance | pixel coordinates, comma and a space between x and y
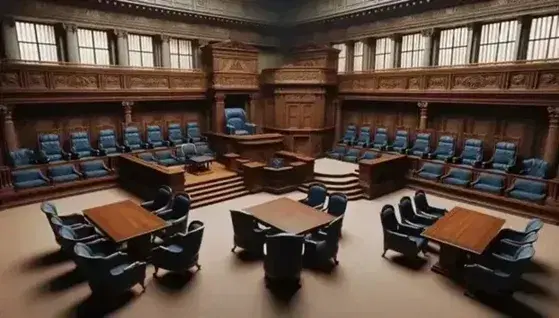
336, 261
383, 253
155, 273
233, 249
198, 266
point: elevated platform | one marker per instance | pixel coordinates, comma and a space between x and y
260, 147
337, 176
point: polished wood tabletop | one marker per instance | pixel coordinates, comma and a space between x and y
124, 220
465, 229
290, 216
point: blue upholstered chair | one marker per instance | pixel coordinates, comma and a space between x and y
246, 233
203, 149
277, 163
69, 236
176, 215
50, 149
445, 149
316, 196
422, 206
510, 258
283, 258
521, 237
108, 272
472, 154
479, 278
132, 139
364, 139
504, 158
370, 155
352, 155
80, 145
63, 173
71, 220
162, 201
535, 167
22, 157
399, 237
528, 190
147, 156
180, 252
409, 217
491, 183
322, 247
337, 153
174, 135
107, 143
236, 122
401, 142
431, 171
421, 146
32, 178
166, 158
193, 133
457, 177
380, 141
349, 135
155, 137
187, 151
337, 205
94, 169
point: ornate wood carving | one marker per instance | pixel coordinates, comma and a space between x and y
234, 65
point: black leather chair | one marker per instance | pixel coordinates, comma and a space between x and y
337, 205
402, 238
247, 234
162, 201
322, 247
177, 215
408, 215
283, 258
422, 206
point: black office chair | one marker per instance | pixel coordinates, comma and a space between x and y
247, 234
283, 258
162, 201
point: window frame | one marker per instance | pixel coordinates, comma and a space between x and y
386, 55
141, 51
179, 54
453, 49
548, 38
357, 54
420, 51
94, 48
499, 44
37, 44
343, 50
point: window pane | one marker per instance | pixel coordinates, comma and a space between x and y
174, 46
358, 63
147, 59
174, 60
498, 42
29, 51
146, 44
86, 56
543, 40
100, 40
36, 42
135, 58
134, 42
102, 57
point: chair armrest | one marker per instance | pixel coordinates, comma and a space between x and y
304, 200
65, 155
146, 145
486, 164
389, 147
147, 204
127, 148
510, 188
76, 171
410, 229
319, 206
456, 160
230, 129
162, 213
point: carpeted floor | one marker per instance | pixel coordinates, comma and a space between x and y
36, 281
334, 167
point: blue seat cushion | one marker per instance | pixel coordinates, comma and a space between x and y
65, 178
110, 150
115, 271
174, 248
455, 181
428, 175
30, 184
350, 158
95, 173
135, 146
241, 132
529, 196
55, 157
419, 241
487, 188
168, 162
157, 143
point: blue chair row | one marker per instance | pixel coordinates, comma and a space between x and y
179, 156
341, 152
32, 178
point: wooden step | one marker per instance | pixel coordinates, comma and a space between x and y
218, 193
219, 187
355, 197
333, 176
206, 183
341, 181
337, 187
201, 203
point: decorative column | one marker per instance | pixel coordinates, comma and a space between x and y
165, 52
552, 140
422, 115
72, 49
368, 54
338, 126
127, 105
396, 50
9, 34
349, 50
254, 100
10, 134
197, 62
218, 109
122, 47
474, 40
428, 39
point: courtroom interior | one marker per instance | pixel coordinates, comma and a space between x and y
234, 158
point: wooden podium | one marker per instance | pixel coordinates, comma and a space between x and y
260, 147
383, 175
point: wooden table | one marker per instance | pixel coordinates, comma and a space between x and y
459, 232
126, 221
200, 164
290, 216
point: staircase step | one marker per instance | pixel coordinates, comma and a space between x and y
355, 197
201, 203
337, 187
328, 175
218, 193
344, 180
211, 183
214, 188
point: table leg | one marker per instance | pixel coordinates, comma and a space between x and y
451, 260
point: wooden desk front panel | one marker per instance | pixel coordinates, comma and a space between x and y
383, 175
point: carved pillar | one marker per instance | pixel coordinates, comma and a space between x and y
10, 134
127, 105
253, 106
422, 115
474, 40
72, 48
197, 56
338, 109
165, 52
122, 47
396, 49
428, 36
552, 140
523, 37
9, 34
350, 49
218, 109
368, 54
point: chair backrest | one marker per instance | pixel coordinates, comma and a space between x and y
353, 152
235, 117
381, 136
350, 132
65, 232
188, 150
406, 209
388, 218
402, 138
524, 252
162, 197
337, 204
132, 135
49, 209
422, 142
60, 170
181, 205
243, 223
534, 225
26, 175
80, 141
203, 149
445, 145
163, 154
277, 163
333, 233
536, 167
505, 154
147, 156
284, 254
370, 155
153, 133
420, 200
107, 138
193, 130
50, 144
317, 194
529, 238
174, 132
22, 157
364, 134
473, 151
92, 165
192, 239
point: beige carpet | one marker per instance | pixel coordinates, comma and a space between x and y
334, 167
34, 283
